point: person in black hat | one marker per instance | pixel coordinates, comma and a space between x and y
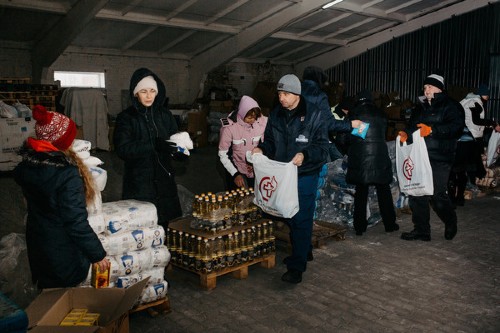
440, 121
314, 81
369, 164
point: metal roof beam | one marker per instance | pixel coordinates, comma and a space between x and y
60, 36
229, 48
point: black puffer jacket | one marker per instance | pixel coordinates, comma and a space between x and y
446, 118
301, 130
148, 174
369, 161
61, 244
312, 92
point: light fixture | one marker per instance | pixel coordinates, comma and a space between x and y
328, 5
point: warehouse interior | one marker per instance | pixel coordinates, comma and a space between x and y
209, 54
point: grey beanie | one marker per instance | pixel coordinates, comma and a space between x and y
289, 83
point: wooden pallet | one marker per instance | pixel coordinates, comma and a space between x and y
161, 306
208, 281
322, 232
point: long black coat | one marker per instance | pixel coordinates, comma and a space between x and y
61, 244
148, 174
369, 161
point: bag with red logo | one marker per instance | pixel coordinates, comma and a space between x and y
413, 167
276, 189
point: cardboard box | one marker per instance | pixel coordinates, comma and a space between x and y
13, 133
198, 128
112, 304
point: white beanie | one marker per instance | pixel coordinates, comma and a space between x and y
146, 83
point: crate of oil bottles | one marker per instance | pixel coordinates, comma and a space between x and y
224, 235
221, 211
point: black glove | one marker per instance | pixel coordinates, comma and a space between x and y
164, 146
178, 156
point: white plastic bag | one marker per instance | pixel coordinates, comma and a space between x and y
413, 167
276, 186
8, 111
183, 142
493, 149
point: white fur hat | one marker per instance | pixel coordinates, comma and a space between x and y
146, 83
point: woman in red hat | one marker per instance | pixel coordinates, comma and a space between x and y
57, 187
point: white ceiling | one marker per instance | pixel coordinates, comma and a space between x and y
208, 33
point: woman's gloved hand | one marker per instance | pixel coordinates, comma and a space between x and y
164, 146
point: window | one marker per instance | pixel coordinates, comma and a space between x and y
80, 79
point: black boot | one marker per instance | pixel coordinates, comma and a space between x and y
392, 227
415, 235
292, 276
450, 230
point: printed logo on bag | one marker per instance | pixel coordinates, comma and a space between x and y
267, 186
127, 262
408, 168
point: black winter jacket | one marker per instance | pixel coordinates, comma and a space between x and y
61, 244
301, 130
148, 174
369, 161
312, 92
446, 117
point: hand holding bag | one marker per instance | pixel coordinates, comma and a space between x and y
276, 186
413, 167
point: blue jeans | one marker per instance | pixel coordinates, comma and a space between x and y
301, 225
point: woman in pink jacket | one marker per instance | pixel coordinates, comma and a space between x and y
241, 132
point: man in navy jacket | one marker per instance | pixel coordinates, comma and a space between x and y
295, 132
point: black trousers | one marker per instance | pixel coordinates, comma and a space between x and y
439, 201
385, 204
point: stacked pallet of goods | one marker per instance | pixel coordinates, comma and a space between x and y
225, 233
130, 234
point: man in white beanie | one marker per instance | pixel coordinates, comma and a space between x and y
295, 132
440, 121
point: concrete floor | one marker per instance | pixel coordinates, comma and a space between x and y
371, 283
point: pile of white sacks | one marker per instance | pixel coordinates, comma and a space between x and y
130, 234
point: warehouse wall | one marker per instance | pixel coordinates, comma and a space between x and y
465, 48
119, 69
15, 61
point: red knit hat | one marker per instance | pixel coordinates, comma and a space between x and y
54, 127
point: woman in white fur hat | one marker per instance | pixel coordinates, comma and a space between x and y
140, 139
